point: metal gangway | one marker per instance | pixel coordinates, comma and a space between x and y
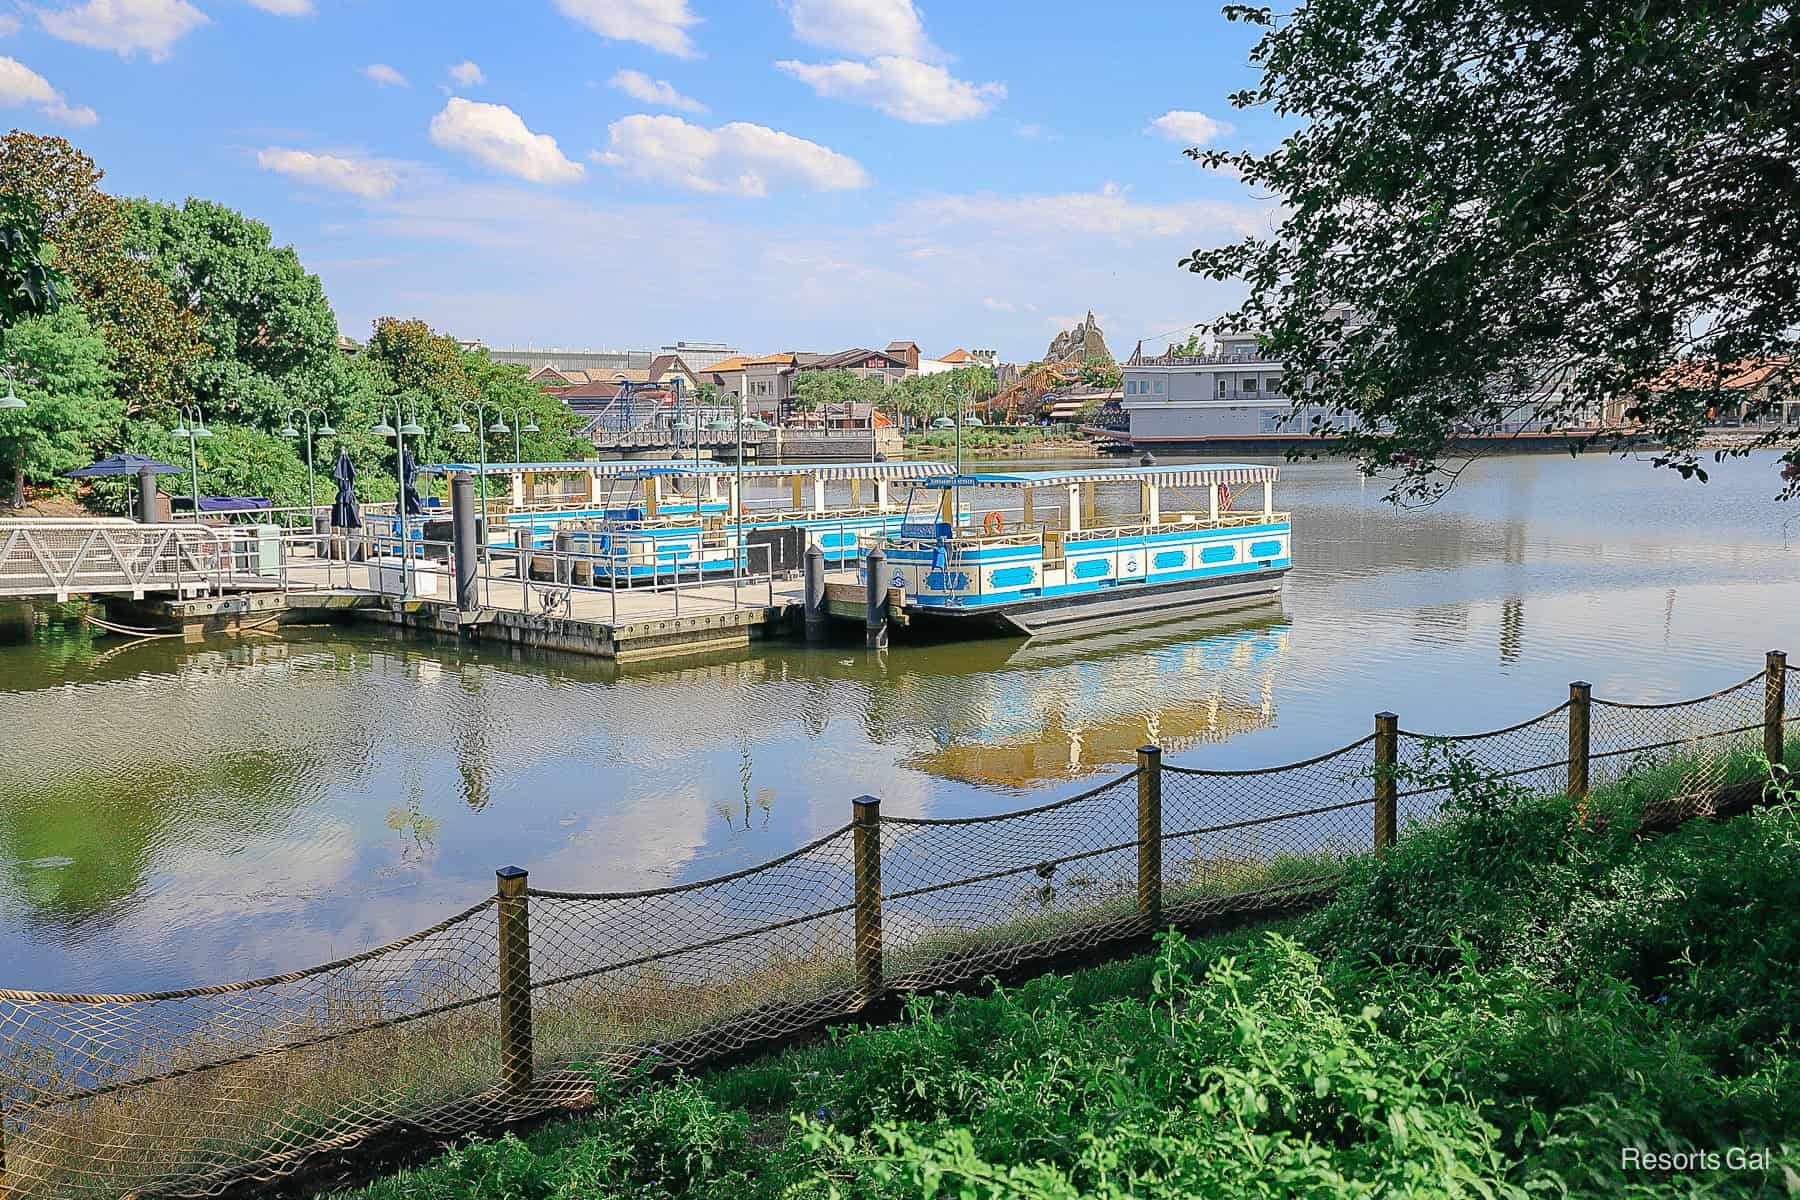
109, 556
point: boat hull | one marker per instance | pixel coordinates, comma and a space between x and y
1131, 604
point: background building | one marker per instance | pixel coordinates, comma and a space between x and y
577, 360
700, 355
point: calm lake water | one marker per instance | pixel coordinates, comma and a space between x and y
177, 814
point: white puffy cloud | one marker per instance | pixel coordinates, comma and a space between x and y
862, 27
385, 75
285, 8
1192, 128
658, 24
993, 305
738, 158
124, 26
21, 87
903, 88
640, 86
466, 74
370, 180
499, 137
1109, 213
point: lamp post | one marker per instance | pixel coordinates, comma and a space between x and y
400, 433
521, 423
324, 430
480, 432
10, 402
191, 415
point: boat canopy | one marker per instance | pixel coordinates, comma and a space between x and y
1180, 475
641, 469
596, 467
826, 471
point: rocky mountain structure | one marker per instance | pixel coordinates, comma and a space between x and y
1079, 344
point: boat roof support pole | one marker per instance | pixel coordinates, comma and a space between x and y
1212, 503
1074, 521
593, 487
818, 491
1152, 503
516, 480
1268, 499
882, 500
797, 481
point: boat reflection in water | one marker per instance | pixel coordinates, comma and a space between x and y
1062, 709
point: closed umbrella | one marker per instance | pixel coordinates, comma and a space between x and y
344, 511
409, 469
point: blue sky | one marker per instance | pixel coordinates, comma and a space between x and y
780, 174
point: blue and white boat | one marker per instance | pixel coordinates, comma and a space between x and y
1047, 560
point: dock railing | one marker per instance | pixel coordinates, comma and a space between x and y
511, 1006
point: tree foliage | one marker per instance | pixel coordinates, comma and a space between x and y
271, 330
1102, 373
1531, 213
821, 389
71, 409
153, 340
30, 285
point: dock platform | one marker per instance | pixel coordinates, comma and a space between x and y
627, 625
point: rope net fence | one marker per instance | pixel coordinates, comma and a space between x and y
512, 1007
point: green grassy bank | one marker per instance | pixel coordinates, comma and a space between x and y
1528, 999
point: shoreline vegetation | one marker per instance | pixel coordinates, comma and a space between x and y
1496, 1007
1001, 441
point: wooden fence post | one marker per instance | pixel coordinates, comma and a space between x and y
514, 919
1387, 781
1581, 711
1149, 832
865, 830
1774, 705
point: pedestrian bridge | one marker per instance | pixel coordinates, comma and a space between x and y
101, 556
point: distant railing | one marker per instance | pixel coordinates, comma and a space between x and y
509, 1007
94, 556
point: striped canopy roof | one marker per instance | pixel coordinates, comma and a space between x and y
542, 468
1179, 475
827, 471
645, 469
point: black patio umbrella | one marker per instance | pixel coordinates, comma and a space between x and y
409, 471
122, 464
130, 466
344, 511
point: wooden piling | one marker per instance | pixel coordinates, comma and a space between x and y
866, 848
1774, 705
1387, 780
514, 919
1581, 710
1149, 867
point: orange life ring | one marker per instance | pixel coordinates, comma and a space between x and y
993, 523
